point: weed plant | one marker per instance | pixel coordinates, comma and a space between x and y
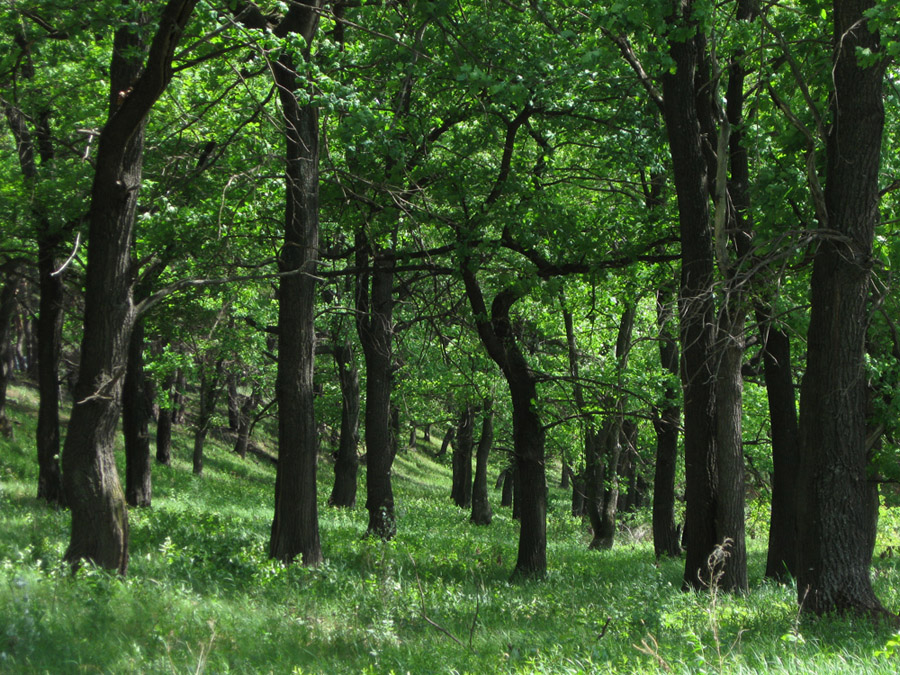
201, 594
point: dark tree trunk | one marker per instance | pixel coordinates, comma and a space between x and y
834, 494
164, 422
375, 327
210, 380
343, 494
578, 494
234, 402
295, 527
395, 426
50, 307
565, 475
49, 330
461, 484
508, 478
8, 303
93, 492
135, 422
246, 407
781, 560
665, 423
682, 87
448, 438
528, 432
481, 506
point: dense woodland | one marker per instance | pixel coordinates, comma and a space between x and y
648, 246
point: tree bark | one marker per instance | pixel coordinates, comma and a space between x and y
210, 381
834, 495
49, 329
448, 438
93, 492
461, 484
666, 421
295, 527
681, 89
135, 423
481, 506
346, 465
375, 328
782, 555
165, 420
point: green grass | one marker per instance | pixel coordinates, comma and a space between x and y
202, 596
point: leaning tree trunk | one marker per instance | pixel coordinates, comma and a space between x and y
834, 495
93, 492
481, 506
461, 484
346, 465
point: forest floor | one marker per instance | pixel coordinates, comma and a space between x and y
201, 594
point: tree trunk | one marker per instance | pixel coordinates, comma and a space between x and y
295, 527
834, 494
8, 303
209, 394
164, 422
461, 484
481, 506
681, 89
375, 327
93, 492
781, 560
49, 329
135, 418
343, 494
508, 487
448, 438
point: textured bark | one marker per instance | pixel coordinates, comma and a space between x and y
49, 335
164, 422
135, 423
346, 465
834, 495
481, 506
93, 492
681, 89
295, 526
375, 327
8, 302
528, 433
461, 483
210, 381
781, 558
666, 421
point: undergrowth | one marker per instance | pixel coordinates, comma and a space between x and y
201, 594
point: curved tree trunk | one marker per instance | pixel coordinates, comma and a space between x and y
93, 492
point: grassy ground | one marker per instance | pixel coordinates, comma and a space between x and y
201, 595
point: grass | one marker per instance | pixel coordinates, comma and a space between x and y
202, 596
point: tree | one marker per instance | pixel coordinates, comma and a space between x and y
834, 496
99, 516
